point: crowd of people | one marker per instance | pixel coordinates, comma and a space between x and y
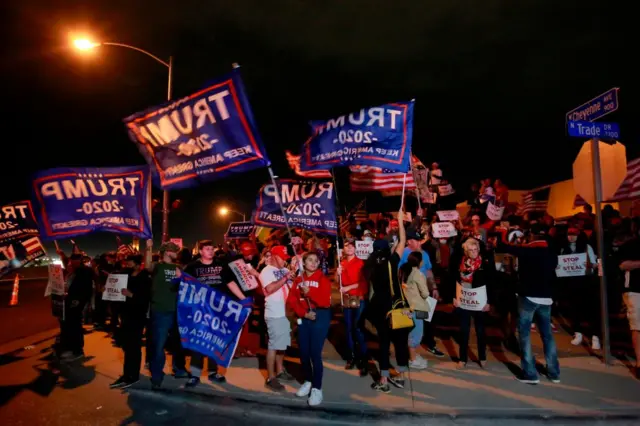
513, 260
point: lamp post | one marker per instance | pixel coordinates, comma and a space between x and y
224, 211
86, 44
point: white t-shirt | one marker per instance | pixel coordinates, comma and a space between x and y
274, 304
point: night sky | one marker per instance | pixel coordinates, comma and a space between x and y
492, 81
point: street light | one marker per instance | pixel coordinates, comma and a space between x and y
224, 211
84, 44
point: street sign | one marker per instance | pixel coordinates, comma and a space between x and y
595, 108
586, 129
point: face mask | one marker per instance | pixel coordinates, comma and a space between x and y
368, 239
443, 241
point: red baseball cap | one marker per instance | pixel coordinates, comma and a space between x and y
248, 249
394, 223
281, 252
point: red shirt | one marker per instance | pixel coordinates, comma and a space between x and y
319, 295
352, 274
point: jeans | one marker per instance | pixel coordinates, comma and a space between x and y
527, 309
132, 328
415, 335
465, 331
163, 324
352, 319
311, 337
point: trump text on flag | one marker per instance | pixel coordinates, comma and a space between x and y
202, 137
17, 219
378, 136
76, 201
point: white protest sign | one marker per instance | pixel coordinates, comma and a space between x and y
471, 299
241, 270
364, 249
494, 212
432, 307
443, 230
445, 190
56, 284
428, 197
571, 265
113, 287
448, 215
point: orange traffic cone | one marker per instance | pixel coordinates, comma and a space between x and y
14, 295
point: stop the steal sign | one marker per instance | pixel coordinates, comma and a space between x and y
572, 265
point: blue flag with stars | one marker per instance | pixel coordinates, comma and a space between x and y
210, 320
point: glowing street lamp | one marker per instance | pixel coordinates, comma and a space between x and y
85, 44
224, 211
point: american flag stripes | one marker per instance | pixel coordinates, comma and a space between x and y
535, 201
366, 178
33, 246
630, 187
294, 163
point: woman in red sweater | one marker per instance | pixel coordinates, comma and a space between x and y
310, 299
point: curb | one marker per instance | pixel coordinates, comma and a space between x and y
248, 407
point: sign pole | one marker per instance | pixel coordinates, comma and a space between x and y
597, 189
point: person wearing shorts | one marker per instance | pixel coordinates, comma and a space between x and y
629, 255
276, 281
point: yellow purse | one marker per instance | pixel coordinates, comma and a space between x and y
399, 317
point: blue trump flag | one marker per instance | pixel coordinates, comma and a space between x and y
75, 201
16, 220
210, 321
308, 205
378, 136
202, 137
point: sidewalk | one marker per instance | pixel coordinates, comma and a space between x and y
588, 388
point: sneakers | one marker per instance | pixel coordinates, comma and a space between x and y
577, 339
381, 387
554, 379
304, 390
434, 351
528, 381
315, 398
192, 382
419, 363
285, 376
397, 382
217, 377
118, 383
274, 385
595, 343
554, 328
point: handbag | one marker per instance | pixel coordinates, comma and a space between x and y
349, 301
400, 315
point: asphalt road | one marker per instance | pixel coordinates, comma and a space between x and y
32, 314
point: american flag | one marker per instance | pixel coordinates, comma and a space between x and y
294, 163
360, 214
630, 187
125, 249
33, 246
535, 201
367, 178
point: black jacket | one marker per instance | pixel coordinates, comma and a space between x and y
485, 275
536, 268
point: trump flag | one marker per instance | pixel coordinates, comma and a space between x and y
202, 137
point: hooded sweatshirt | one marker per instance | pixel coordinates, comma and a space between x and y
319, 295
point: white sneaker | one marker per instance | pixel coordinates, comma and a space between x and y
418, 364
304, 390
315, 398
577, 339
595, 343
